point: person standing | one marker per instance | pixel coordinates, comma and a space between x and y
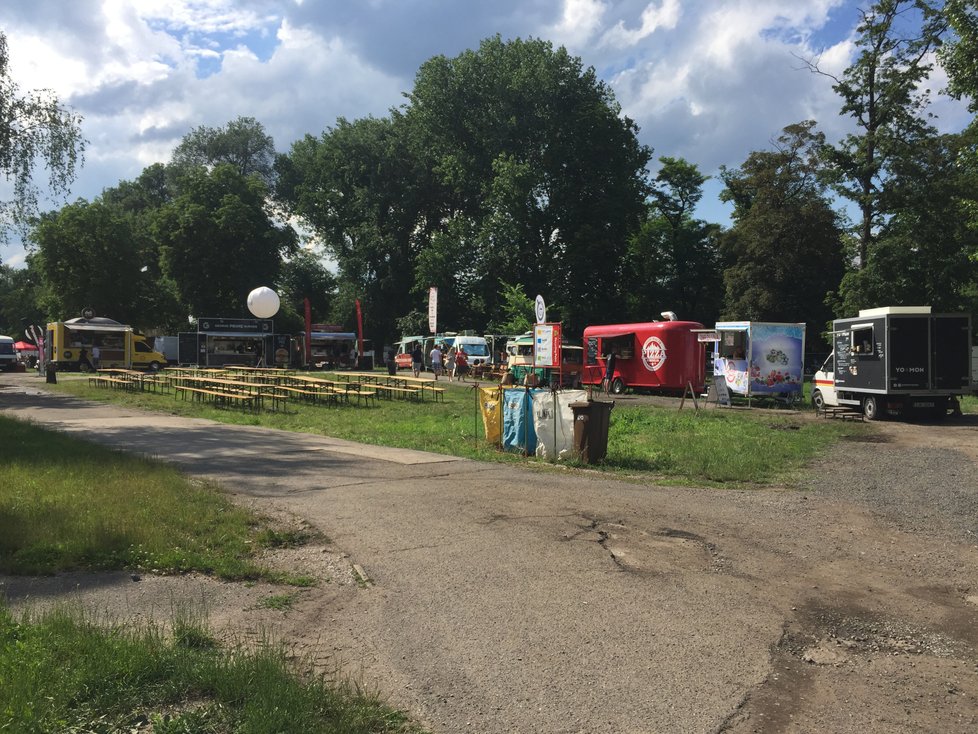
450, 364
436, 358
96, 356
83, 360
609, 371
417, 360
461, 364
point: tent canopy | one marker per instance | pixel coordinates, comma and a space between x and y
24, 347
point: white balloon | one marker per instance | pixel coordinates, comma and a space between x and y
263, 302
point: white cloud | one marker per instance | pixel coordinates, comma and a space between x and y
664, 15
709, 80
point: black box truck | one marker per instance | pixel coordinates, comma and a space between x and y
897, 360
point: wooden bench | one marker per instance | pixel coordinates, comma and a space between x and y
119, 382
218, 396
390, 390
310, 392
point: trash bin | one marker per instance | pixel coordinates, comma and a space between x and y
51, 373
391, 367
591, 420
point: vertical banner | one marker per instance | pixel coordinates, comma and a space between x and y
359, 331
546, 345
308, 346
433, 310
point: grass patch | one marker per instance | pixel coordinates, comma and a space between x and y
67, 504
688, 447
61, 672
718, 446
278, 602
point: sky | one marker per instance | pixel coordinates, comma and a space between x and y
705, 80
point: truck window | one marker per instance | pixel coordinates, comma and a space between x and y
142, 347
862, 340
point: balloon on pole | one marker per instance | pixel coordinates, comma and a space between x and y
263, 302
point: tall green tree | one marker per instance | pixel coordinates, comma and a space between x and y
784, 250
884, 94
34, 128
541, 178
959, 54
21, 296
305, 275
218, 241
926, 254
89, 258
362, 191
674, 259
241, 143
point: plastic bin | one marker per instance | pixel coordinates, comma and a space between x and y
591, 420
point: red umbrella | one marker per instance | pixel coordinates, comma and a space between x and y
24, 347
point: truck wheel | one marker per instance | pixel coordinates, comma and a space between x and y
154, 366
872, 408
617, 386
818, 401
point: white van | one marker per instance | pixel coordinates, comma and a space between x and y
475, 347
8, 357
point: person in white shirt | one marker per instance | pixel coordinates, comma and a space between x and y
435, 361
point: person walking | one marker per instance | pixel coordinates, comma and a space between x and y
461, 366
436, 360
450, 364
417, 360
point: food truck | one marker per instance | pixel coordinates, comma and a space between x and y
653, 356
118, 346
519, 351
247, 342
404, 348
897, 359
8, 354
759, 358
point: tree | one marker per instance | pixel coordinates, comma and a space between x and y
242, 143
540, 177
33, 128
362, 192
926, 253
784, 250
884, 94
304, 275
959, 56
516, 310
89, 259
21, 296
674, 260
218, 242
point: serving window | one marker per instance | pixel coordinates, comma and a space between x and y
732, 345
861, 340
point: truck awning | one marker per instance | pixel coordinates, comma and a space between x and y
98, 327
611, 336
235, 334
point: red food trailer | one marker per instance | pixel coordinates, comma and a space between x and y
655, 356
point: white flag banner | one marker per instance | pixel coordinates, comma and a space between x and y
433, 310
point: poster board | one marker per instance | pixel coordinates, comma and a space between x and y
546, 345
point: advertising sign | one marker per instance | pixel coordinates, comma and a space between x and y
776, 352
546, 345
540, 310
433, 310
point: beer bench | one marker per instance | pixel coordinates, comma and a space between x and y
389, 391
228, 398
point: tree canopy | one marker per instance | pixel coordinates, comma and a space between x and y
34, 128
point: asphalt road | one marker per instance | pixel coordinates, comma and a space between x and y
505, 599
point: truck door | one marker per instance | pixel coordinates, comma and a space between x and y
950, 351
909, 353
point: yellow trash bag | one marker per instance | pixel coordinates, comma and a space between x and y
491, 406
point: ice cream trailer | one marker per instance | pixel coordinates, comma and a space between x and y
760, 358
654, 356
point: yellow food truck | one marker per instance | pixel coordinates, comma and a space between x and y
99, 343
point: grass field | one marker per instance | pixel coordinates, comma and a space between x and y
737, 446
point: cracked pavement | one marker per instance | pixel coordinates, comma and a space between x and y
511, 600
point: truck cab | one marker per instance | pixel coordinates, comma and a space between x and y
144, 356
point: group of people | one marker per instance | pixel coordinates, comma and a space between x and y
454, 364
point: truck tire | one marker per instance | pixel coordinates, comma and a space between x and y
154, 366
818, 401
872, 409
617, 386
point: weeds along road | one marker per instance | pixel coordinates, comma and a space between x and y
507, 600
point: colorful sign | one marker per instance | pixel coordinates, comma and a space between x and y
653, 354
546, 345
776, 358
